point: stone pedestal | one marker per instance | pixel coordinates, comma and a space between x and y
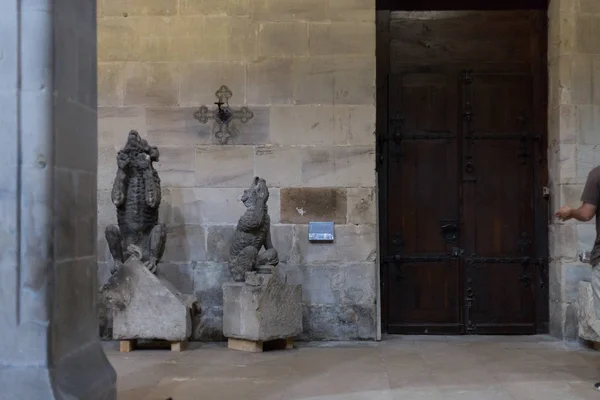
262, 309
145, 306
589, 324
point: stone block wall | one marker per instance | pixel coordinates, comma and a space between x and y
306, 69
574, 146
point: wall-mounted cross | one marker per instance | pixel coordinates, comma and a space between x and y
223, 116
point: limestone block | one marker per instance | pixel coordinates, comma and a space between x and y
302, 205
589, 6
289, 10
218, 242
567, 162
153, 84
589, 120
588, 157
230, 38
176, 166
342, 38
334, 80
176, 126
357, 122
235, 166
338, 166
355, 81
140, 7
272, 310
352, 283
276, 39
117, 40
571, 194
214, 7
279, 165
339, 322
145, 306
200, 81
586, 236
352, 243
110, 87
304, 125
185, 243
115, 122
581, 75
209, 205
283, 237
270, 81
179, 275
314, 80
596, 81
362, 206
588, 30
574, 274
589, 324
352, 10
563, 242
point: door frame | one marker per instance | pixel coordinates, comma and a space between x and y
541, 208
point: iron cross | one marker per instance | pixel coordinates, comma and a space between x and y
223, 116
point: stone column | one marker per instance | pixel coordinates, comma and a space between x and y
49, 347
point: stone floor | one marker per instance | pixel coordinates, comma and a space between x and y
399, 368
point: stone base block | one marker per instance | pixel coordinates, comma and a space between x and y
265, 310
589, 324
146, 306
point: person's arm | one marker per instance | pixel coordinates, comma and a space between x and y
590, 199
584, 213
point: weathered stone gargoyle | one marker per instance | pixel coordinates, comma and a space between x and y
252, 233
136, 194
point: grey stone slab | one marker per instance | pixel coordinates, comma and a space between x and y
208, 325
185, 243
266, 312
218, 242
339, 322
335, 284
179, 274
209, 278
573, 275
145, 306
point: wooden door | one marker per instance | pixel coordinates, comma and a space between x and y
423, 213
463, 247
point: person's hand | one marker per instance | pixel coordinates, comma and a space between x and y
564, 214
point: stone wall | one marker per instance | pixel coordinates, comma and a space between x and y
306, 69
574, 144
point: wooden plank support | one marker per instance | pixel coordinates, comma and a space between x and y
127, 345
179, 346
245, 345
258, 346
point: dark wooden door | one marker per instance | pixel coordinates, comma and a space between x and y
462, 156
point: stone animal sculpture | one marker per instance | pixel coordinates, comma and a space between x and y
253, 232
136, 194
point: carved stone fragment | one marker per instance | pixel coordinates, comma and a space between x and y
146, 306
253, 232
136, 193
